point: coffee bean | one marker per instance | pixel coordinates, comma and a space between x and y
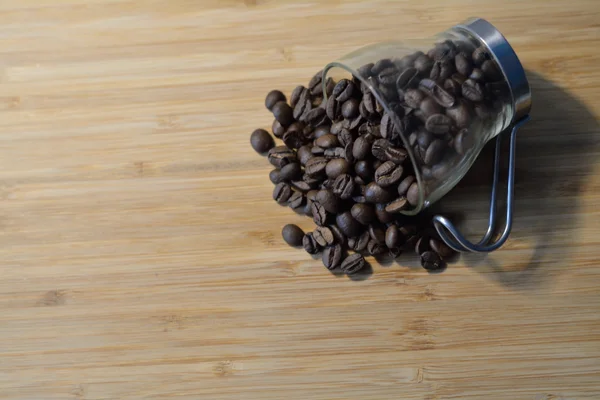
362, 147
376, 194
290, 172
316, 166
381, 65
406, 77
350, 109
278, 129
338, 235
383, 216
463, 64
283, 113
363, 213
327, 141
388, 75
387, 128
491, 71
397, 205
405, 184
388, 174
317, 151
348, 155
354, 123
452, 87
323, 236
393, 237
261, 141
423, 64
462, 142
275, 176
436, 92
279, 156
332, 257
310, 244
293, 138
443, 51
329, 85
319, 213
274, 97
434, 152
315, 84
343, 186
297, 202
414, 97
429, 107
316, 117
333, 109
480, 54
374, 248
438, 124
424, 138
348, 225
441, 70
343, 90
336, 152
304, 154
460, 114
422, 245
360, 242
476, 75
431, 261
377, 233
297, 93
365, 71
440, 170
305, 184
472, 90
292, 234
441, 248
379, 147
321, 131
337, 167
364, 169
282, 193
302, 108
328, 200
413, 194
353, 264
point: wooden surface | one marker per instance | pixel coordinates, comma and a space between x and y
141, 254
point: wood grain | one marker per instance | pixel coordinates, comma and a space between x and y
141, 253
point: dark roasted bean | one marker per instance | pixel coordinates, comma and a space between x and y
343, 186
353, 264
292, 234
282, 193
261, 141
310, 244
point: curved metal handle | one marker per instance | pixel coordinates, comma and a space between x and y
453, 238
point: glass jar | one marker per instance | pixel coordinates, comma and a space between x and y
443, 99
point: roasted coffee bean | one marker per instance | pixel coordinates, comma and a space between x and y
353, 124
333, 109
414, 97
336, 152
422, 245
462, 142
274, 97
319, 213
376, 194
328, 200
443, 51
377, 233
463, 65
327, 141
370, 103
431, 261
388, 174
317, 151
440, 170
332, 257
278, 129
438, 124
304, 154
363, 213
297, 93
350, 108
348, 225
429, 107
397, 205
316, 117
297, 201
292, 234
261, 141
452, 87
374, 248
379, 147
434, 152
476, 75
388, 75
316, 84
310, 244
382, 65
293, 138
365, 71
280, 156
406, 77
405, 185
387, 128
360, 242
323, 236
343, 90
353, 264
303, 185
316, 166
364, 169
436, 92
441, 70
491, 71
275, 176
393, 238
396, 155
343, 186
441, 248
302, 108
329, 85
480, 54
327, 184
348, 155
282, 193
283, 113
426, 173
321, 131
383, 216
338, 235
337, 167
362, 147
460, 114
291, 172
413, 194
472, 90
423, 64
424, 138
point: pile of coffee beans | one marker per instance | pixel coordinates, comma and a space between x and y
343, 162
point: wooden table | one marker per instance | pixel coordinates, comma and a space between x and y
141, 254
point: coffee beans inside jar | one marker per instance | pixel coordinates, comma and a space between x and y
345, 163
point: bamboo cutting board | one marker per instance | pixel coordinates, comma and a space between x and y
141, 255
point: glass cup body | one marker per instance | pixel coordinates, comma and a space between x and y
447, 97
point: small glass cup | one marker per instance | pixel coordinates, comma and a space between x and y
446, 97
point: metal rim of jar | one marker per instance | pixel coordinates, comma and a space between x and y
506, 58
